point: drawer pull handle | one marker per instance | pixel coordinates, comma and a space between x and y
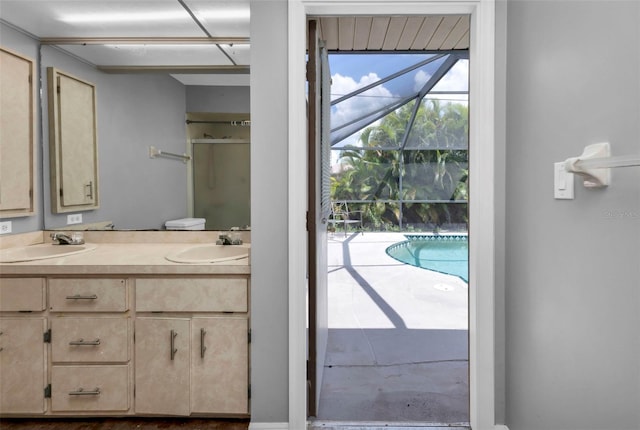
85, 342
173, 348
81, 297
203, 348
82, 392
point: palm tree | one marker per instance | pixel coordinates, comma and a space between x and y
434, 168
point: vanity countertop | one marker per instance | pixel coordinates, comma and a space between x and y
126, 258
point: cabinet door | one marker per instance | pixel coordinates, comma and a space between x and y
16, 135
22, 365
220, 365
162, 348
73, 143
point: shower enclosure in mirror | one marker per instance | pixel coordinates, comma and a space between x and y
221, 169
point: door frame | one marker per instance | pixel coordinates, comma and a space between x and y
481, 183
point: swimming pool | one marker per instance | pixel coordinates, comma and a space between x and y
441, 253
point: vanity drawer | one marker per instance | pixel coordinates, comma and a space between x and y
22, 294
90, 340
192, 295
88, 295
89, 388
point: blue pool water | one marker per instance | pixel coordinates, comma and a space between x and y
441, 253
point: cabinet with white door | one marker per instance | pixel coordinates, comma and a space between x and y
110, 345
192, 346
23, 349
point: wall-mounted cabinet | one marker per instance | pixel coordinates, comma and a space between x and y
73, 148
17, 172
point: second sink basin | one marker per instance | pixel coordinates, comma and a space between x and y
41, 252
208, 254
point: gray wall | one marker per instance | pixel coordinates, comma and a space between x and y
135, 111
269, 200
28, 47
217, 99
572, 267
500, 175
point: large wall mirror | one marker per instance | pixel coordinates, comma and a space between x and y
171, 82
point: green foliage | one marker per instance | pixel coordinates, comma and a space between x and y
433, 168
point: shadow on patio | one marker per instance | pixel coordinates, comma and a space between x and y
398, 340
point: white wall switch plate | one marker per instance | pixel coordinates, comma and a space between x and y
5, 227
562, 182
74, 219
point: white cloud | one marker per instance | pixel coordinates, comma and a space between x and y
343, 85
379, 96
457, 79
366, 102
419, 79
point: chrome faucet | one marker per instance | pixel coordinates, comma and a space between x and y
65, 239
225, 239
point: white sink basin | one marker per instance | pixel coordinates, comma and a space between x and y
208, 254
42, 251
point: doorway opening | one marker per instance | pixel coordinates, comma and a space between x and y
396, 334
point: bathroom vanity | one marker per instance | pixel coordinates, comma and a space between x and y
120, 330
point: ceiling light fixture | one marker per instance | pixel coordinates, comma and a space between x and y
225, 15
119, 17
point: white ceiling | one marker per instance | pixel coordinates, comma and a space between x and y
202, 42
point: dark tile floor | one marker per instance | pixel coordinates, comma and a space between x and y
123, 424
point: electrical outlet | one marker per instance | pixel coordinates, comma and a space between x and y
5, 227
74, 219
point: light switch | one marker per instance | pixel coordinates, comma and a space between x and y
562, 182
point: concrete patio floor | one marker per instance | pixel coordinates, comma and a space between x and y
398, 340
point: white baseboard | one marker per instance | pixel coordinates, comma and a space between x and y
285, 426
268, 426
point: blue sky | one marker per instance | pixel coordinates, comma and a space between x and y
352, 71
380, 64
